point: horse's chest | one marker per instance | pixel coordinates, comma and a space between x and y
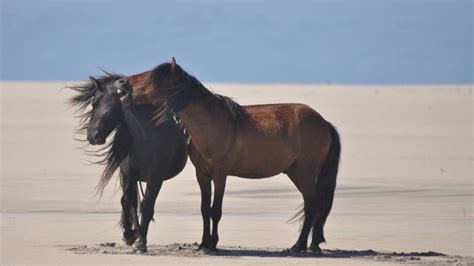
203, 163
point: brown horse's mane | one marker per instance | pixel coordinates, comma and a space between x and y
177, 97
115, 151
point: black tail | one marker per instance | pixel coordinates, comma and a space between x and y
326, 185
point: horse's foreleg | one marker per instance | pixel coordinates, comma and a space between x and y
205, 186
147, 210
129, 206
216, 211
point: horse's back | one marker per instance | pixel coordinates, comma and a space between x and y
274, 136
283, 118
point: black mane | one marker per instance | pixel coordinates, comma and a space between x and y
117, 149
84, 96
235, 109
182, 94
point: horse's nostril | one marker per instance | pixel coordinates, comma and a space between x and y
93, 137
122, 81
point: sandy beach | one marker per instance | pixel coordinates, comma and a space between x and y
404, 194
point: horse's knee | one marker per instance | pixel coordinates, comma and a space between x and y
216, 214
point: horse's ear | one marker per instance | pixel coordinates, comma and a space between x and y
173, 64
96, 83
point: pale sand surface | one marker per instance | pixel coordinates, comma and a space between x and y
405, 184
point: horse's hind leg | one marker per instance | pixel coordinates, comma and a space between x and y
325, 195
318, 233
306, 186
147, 210
302, 242
129, 203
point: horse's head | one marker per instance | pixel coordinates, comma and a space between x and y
107, 112
157, 86
167, 87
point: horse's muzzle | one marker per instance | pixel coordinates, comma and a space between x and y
94, 138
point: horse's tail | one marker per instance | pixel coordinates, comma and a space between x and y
326, 185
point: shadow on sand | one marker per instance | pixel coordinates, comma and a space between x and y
327, 253
191, 250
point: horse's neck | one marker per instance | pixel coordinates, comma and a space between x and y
140, 86
137, 121
208, 123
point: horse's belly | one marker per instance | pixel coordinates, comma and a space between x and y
156, 160
255, 175
261, 164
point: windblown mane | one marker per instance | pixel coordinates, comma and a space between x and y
84, 96
114, 152
182, 94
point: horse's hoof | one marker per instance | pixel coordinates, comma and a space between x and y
206, 249
129, 241
203, 245
140, 250
316, 249
297, 248
129, 237
140, 247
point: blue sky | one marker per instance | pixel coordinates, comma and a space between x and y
347, 42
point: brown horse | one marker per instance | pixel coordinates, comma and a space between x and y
254, 141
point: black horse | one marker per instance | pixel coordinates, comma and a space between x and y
142, 151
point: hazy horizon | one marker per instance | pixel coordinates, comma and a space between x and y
338, 42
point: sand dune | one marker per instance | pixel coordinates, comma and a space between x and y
405, 184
